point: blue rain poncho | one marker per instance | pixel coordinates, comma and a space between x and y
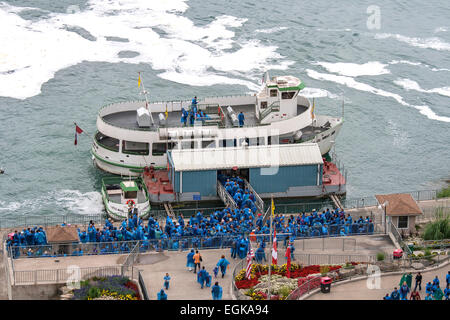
190, 259
223, 264
216, 291
162, 295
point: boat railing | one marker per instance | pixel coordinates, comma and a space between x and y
274, 107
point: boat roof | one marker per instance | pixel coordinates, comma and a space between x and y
286, 83
246, 157
129, 186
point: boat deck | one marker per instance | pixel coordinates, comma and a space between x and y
331, 175
127, 119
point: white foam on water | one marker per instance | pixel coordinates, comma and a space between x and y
271, 30
425, 43
418, 64
441, 29
318, 93
409, 84
79, 202
352, 83
371, 68
185, 53
73, 200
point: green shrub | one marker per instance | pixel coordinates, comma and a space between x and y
444, 193
439, 229
284, 291
94, 292
380, 256
427, 252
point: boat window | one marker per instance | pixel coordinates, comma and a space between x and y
253, 141
263, 104
208, 144
228, 143
132, 147
107, 142
131, 195
273, 92
287, 95
261, 141
187, 144
159, 149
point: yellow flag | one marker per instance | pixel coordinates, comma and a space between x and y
139, 81
273, 209
166, 113
312, 110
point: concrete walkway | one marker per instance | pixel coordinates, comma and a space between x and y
183, 284
358, 290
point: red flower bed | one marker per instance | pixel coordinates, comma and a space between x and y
247, 284
133, 286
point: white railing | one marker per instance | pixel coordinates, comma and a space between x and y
259, 202
225, 196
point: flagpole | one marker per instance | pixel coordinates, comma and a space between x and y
271, 246
84, 131
145, 95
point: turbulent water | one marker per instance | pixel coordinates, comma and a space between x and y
60, 62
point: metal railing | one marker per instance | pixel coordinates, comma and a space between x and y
63, 275
225, 196
259, 203
141, 281
274, 106
304, 288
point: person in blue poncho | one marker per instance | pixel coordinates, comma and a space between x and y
201, 277
162, 295
395, 295
223, 264
241, 119
190, 260
208, 279
447, 292
387, 297
166, 281
404, 290
184, 116
216, 291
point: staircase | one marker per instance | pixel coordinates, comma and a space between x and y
169, 210
225, 196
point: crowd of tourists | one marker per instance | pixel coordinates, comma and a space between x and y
222, 228
433, 290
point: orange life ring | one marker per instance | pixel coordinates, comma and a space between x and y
131, 201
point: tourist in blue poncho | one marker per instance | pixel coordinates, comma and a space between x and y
223, 264
201, 276
216, 291
190, 260
395, 295
162, 295
404, 290
166, 281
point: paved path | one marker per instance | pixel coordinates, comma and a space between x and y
358, 290
183, 284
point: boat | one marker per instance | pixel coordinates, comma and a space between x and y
120, 194
134, 135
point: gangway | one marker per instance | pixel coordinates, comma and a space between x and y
169, 210
226, 197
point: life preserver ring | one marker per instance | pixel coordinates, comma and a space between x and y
131, 201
